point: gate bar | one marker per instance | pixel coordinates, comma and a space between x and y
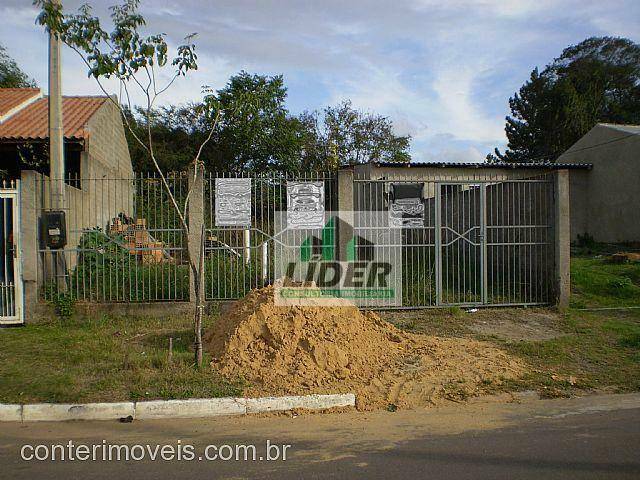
438, 251
484, 279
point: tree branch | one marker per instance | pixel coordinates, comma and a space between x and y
196, 161
148, 148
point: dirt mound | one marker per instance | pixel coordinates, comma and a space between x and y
301, 350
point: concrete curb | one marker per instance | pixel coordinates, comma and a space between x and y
192, 408
10, 413
309, 402
157, 409
47, 412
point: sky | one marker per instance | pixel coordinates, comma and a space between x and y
442, 70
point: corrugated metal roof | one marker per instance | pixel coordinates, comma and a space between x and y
632, 129
11, 98
532, 165
32, 122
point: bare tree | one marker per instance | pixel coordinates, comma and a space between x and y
136, 61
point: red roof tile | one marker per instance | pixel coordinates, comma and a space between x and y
12, 97
32, 122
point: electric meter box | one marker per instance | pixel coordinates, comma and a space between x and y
55, 229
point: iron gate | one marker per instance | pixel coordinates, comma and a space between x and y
476, 243
484, 241
11, 310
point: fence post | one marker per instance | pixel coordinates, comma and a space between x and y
562, 239
247, 246
196, 221
345, 207
29, 221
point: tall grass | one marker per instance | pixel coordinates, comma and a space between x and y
107, 271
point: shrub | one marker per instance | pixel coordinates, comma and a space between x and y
108, 271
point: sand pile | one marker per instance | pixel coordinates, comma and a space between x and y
302, 350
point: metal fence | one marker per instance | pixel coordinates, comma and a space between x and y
125, 242
238, 259
479, 242
10, 285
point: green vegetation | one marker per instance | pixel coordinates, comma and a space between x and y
594, 81
104, 359
11, 76
267, 138
108, 272
227, 276
596, 282
243, 127
119, 358
593, 350
63, 303
598, 349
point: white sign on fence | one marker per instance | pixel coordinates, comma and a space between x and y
406, 208
233, 202
305, 205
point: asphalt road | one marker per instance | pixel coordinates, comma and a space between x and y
590, 437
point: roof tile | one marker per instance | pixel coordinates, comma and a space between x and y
10, 98
32, 122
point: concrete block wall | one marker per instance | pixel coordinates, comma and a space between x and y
562, 239
94, 205
29, 226
107, 145
605, 199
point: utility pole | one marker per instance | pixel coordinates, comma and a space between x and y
56, 150
56, 134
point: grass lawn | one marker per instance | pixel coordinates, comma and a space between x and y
597, 351
593, 349
103, 359
120, 358
599, 348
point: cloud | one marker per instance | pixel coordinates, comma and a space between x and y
443, 71
460, 115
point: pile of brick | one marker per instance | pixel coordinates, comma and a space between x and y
137, 239
625, 257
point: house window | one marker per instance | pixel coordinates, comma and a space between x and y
72, 158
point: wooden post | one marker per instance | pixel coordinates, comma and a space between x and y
345, 207
196, 225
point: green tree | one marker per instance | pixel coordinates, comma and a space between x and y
11, 76
597, 80
265, 135
173, 138
255, 131
136, 61
262, 137
342, 135
352, 136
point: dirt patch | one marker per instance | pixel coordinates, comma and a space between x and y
302, 350
624, 257
430, 321
515, 324
518, 325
